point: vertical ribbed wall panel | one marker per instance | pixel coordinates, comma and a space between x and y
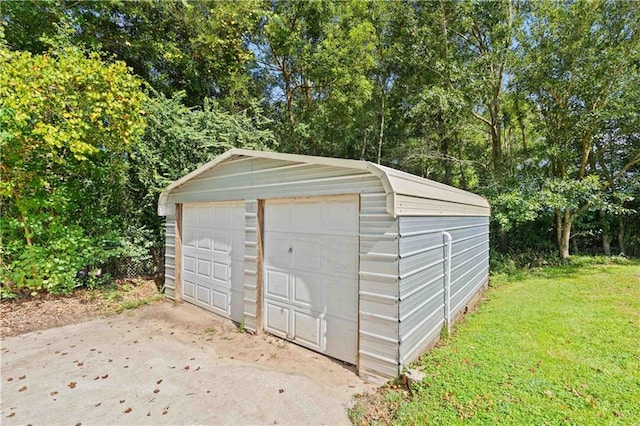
422, 252
251, 265
170, 257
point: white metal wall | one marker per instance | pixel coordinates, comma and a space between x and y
422, 270
378, 287
251, 265
251, 179
170, 257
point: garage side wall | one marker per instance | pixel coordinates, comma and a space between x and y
423, 266
252, 179
251, 292
170, 257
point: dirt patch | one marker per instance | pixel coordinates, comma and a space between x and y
379, 406
204, 329
47, 311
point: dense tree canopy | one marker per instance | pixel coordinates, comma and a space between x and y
533, 103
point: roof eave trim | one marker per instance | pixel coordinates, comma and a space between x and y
388, 188
164, 195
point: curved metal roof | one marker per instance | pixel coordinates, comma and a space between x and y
409, 194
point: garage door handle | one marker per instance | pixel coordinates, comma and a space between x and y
290, 249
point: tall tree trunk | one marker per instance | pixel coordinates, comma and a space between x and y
606, 241
447, 163
381, 133
523, 130
606, 244
621, 236
463, 177
564, 220
496, 136
444, 149
364, 144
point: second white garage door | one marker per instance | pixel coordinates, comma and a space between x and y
311, 273
213, 257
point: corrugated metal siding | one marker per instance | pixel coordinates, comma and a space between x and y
378, 288
251, 179
422, 274
170, 257
251, 265
273, 179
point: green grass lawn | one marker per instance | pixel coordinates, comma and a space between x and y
557, 346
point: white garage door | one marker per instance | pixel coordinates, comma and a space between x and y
311, 273
213, 257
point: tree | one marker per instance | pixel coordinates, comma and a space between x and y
68, 121
486, 40
177, 140
197, 47
316, 56
579, 67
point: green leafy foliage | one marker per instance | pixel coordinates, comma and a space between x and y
315, 58
196, 47
69, 122
179, 139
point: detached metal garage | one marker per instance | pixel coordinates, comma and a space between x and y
354, 260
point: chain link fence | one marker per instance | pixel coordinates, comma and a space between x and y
150, 266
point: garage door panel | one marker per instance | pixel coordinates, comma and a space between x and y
189, 264
308, 329
306, 291
189, 288
342, 217
237, 242
204, 268
204, 240
342, 255
278, 254
308, 253
344, 296
221, 273
222, 242
306, 217
222, 216
278, 218
277, 319
189, 238
220, 300
340, 341
311, 273
213, 261
277, 284
203, 214
202, 293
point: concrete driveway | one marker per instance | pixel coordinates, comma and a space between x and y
168, 364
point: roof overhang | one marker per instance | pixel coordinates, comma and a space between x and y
395, 182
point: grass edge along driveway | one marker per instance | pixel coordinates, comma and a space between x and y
558, 346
